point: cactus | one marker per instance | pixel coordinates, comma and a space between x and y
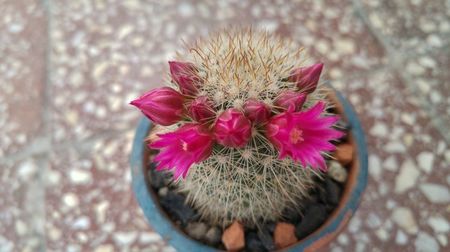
246, 180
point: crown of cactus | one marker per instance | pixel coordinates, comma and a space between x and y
250, 128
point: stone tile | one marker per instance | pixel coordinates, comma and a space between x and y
399, 136
428, 73
410, 25
23, 41
22, 205
90, 204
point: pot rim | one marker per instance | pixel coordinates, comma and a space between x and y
159, 221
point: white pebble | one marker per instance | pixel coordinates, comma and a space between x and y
439, 224
425, 161
80, 176
407, 177
436, 193
401, 238
426, 243
70, 199
123, 238
82, 222
404, 218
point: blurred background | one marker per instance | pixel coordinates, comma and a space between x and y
68, 69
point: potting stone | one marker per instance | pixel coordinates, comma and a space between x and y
344, 153
337, 172
314, 216
162, 192
213, 235
157, 179
270, 226
233, 237
253, 243
174, 204
332, 192
284, 235
196, 230
266, 238
291, 215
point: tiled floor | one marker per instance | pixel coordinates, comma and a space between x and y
69, 68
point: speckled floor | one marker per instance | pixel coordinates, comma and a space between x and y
69, 68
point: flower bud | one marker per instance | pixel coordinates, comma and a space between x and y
256, 111
184, 74
290, 100
163, 106
232, 129
201, 109
307, 78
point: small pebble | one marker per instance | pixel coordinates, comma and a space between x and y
284, 235
315, 216
233, 237
196, 230
253, 243
162, 192
332, 192
174, 204
157, 179
337, 172
213, 235
344, 153
266, 238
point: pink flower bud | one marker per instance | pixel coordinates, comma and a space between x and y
201, 109
306, 78
232, 128
185, 75
256, 111
161, 105
291, 100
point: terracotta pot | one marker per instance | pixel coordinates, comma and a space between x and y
351, 196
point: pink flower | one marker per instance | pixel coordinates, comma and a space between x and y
189, 144
232, 128
291, 100
256, 111
161, 105
201, 109
306, 78
185, 75
303, 135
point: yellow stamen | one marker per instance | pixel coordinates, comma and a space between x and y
296, 135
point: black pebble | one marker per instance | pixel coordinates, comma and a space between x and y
157, 179
253, 243
329, 194
314, 216
270, 226
333, 191
174, 204
266, 238
292, 216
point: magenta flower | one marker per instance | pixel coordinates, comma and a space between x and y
185, 75
189, 144
291, 100
201, 109
232, 128
307, 78
256, 111
161, 105
304, 135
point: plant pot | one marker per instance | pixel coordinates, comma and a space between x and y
353, 189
